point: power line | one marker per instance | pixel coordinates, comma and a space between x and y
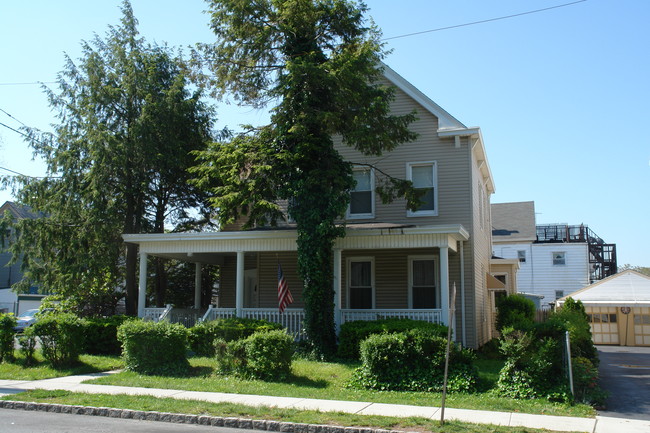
12, 117
28, 84
484, 21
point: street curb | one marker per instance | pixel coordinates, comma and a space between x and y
178, 418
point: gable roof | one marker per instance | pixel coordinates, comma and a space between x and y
513, 222
448, 125
18, 211
625, 288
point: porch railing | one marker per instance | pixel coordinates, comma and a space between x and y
155, 314
291, 318
185, 316
432, 316
218, 313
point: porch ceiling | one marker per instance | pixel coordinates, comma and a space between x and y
211, 247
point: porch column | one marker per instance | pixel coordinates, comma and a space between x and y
337, 288
142, 285
239, 291
444, 284
197, 285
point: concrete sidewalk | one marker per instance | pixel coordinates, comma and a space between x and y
559, 423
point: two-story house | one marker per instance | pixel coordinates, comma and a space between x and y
554, 259
392, 262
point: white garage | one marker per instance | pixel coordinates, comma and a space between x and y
618, 308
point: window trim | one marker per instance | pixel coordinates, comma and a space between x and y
519, 256
409, 176
436, 270
349, 214
348, 278
563, 258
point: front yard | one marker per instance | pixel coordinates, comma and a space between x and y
327, 380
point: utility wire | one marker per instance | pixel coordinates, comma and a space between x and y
12, 117
28, 84
484, 21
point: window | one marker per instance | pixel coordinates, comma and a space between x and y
559, 294
559, 258
362, 196
521, 255
360, 271
502, 278
422, 277
424, 178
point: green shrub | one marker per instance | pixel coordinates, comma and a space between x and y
154, 348
202, 336
353, 333
61, 336
7, 334
585, 382
572, 317
101, 335
533, 366
515, 311
264, 355
27, 343
413, 361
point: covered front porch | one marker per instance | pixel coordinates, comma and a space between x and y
380, 271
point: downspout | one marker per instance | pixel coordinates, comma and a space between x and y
462, 293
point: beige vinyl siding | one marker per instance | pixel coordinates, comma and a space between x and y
481, 241
452, 169
228, 280
391, 274
268, 278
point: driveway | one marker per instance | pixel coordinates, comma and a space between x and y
625, 373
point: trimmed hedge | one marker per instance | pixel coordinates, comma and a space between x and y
61, 336
154, 348
101, 335
7, 334
353, 333
515, 311
264, 355
413, 361
202, 336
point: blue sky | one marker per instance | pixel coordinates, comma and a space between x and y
559, 95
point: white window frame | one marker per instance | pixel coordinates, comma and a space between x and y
349, 262
409, 176
563, 258
436, 270
349, 214
519, 256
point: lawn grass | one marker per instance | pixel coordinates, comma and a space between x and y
148, 403
17, 370
322, 380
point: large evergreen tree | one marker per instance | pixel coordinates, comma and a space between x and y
318, 65
117, 163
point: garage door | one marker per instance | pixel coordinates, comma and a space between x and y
604, 324
642, 326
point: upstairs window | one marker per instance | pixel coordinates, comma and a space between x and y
521, 255
559, 258
424, 178
362, 196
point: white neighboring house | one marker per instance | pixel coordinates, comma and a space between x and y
554, 259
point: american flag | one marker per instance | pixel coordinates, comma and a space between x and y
284, 294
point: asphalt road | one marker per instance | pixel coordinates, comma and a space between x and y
22, 421
625, 373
